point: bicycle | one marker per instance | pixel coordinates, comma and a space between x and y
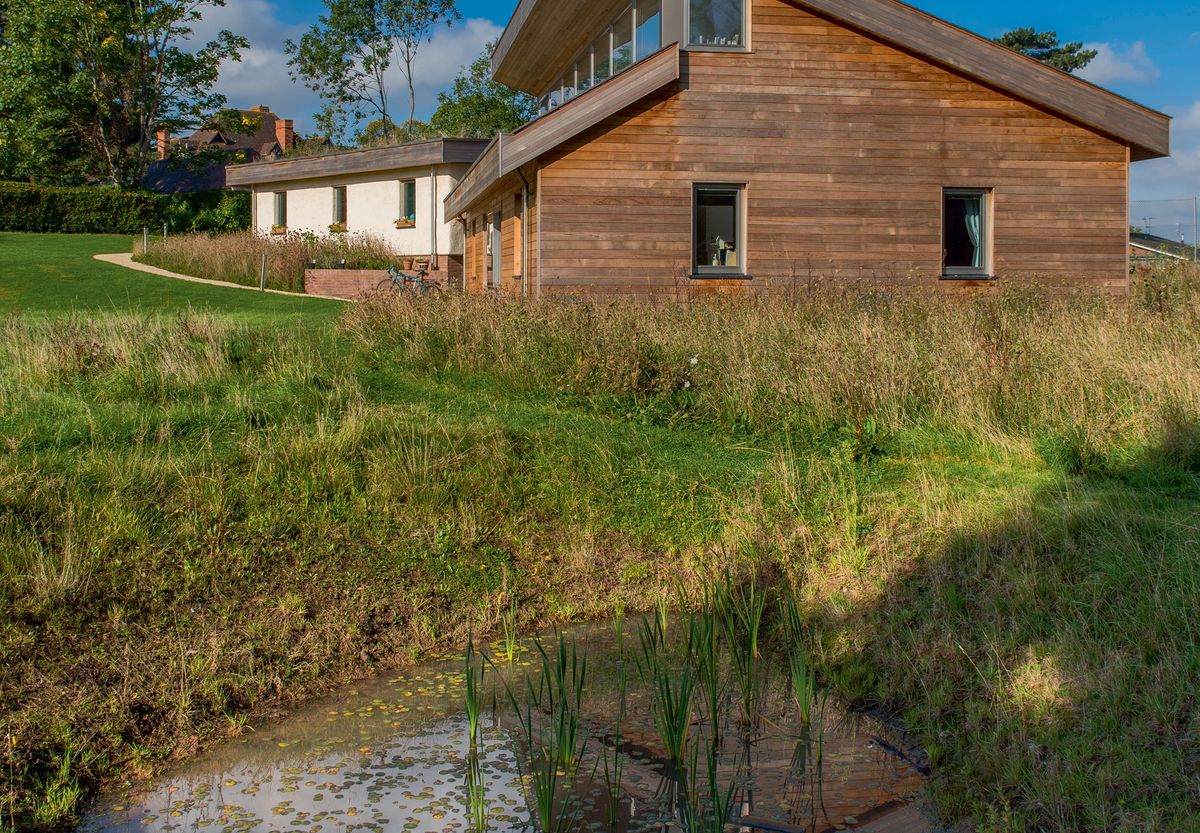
418, 282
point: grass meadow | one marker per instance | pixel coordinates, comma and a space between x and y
988, 508
237, 257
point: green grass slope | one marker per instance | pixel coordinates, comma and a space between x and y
989, 509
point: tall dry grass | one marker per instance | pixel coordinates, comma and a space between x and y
237, 257
1011, 363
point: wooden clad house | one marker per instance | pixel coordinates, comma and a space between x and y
693, 145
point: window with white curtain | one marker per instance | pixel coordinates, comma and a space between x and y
965, 232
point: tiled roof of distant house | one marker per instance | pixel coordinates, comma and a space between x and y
262, 135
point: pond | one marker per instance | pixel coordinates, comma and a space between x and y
603, 727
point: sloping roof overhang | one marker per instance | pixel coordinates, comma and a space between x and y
507, 153
544, 35
367, 160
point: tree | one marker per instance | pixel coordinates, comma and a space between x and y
414, 25
89, 83
1045, 47
346, 55
380, 133
479, 106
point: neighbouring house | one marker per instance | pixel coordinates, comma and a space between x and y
198, 162
395, 194
729, 145
1152, 247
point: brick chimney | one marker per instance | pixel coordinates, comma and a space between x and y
262, 108
284, 134
164, 143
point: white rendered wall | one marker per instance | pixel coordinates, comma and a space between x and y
373, 204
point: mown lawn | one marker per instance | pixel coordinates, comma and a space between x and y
55, 274
210, 508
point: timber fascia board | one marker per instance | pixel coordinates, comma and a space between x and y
366, 160
509, 152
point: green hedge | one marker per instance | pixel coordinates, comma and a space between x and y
38, 208
206, 211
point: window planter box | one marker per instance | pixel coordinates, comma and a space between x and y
279, 231
337, 228
406, 224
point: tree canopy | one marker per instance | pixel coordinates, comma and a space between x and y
1045, 47
346, 55
85, 85
478, 106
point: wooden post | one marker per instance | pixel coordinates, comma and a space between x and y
164, 231
145, 240
262, 275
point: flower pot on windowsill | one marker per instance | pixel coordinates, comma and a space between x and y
337, 228
403, 224
278, 230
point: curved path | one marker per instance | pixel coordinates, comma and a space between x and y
126, 260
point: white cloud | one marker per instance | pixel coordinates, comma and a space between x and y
438, 62
261, 77
1173, 178
1189, 119
1120, 62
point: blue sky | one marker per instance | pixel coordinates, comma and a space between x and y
1150, 52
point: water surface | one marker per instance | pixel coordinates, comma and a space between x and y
391, 754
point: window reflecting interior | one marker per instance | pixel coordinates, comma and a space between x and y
717, 22
963, 233
623, 42
717, 228
649, 28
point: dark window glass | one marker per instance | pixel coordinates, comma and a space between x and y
964, 232
583, 72
602, 57
717, 22
623, 42
339, 205
718, 229
649, 28
408, 201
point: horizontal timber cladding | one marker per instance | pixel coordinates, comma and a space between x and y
844, 145
517, 272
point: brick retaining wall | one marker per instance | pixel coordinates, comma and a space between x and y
354, 283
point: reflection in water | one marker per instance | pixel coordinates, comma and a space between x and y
392, 755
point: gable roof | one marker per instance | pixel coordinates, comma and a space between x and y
541, 32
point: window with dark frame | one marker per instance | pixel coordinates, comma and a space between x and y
339, 205
717, 230
408, 202
965, 232
720, 23
280, 209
